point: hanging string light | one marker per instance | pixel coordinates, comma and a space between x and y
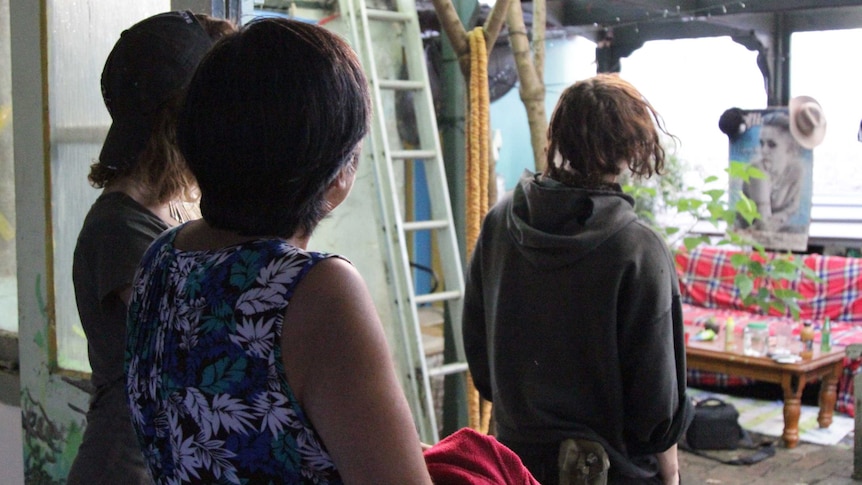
677, 13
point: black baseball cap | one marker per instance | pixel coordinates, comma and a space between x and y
151, 63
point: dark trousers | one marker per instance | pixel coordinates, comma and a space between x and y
540, 459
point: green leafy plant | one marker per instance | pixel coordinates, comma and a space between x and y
675, 209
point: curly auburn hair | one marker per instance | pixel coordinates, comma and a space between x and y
598, 125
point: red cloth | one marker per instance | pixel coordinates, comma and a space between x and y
467, 457
706, 279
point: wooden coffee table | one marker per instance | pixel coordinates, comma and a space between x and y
711, 356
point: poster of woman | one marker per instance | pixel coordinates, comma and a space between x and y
779, 142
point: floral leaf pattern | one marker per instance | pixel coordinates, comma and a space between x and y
208, 395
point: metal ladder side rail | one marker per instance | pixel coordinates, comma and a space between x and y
430, 153
441, 223
435, 172
357, 29
422, 398
442, 217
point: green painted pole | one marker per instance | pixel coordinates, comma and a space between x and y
452, 131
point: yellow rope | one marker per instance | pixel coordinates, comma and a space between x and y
477, 202
477, 137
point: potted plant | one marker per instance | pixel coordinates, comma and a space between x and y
674, 209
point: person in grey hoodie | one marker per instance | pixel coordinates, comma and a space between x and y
572, 318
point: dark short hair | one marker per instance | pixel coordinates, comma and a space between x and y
599, 122
272, 115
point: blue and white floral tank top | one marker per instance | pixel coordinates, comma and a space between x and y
209, 398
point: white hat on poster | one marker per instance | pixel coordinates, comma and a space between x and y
807, 121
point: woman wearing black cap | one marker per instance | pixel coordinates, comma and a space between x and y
145, 182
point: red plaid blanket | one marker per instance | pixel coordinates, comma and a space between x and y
706, 279
706, 283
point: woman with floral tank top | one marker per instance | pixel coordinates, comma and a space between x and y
249, 358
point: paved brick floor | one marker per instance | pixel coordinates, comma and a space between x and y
806, 464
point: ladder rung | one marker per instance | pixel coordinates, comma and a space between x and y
446, 369
402, 84
412, 154
438, 296
425, 225
388, 15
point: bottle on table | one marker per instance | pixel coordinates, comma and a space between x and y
729, 342
826, 336
807, 337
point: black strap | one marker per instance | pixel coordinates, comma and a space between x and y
765, 449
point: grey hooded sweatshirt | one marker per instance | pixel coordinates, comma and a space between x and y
573, 325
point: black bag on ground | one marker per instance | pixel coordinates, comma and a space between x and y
715, 426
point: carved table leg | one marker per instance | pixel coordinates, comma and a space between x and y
792, 386
828, 395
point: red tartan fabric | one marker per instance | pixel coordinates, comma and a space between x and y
706, 284
706, 279
846, 402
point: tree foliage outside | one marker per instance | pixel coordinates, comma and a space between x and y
674, 209
528, 50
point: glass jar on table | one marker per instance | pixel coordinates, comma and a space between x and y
755, 338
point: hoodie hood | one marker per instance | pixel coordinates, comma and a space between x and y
555, 225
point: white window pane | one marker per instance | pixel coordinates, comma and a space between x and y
691, 82
81, 34
821, 67
8, 282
